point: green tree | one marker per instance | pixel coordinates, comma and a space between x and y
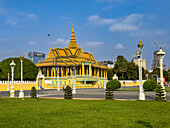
113, 85
29, 69
109, 74
149, 85
127, 70
156, 73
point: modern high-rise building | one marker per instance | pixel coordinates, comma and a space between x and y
155, 61
36, 56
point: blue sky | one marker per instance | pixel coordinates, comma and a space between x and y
105, 27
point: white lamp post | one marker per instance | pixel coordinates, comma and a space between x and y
12, 92
8, 82
138, 53
21, 93
104, 82
73, 77
58, 82
161, 55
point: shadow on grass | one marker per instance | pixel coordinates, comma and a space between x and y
146, 124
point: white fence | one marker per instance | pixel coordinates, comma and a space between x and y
5, 82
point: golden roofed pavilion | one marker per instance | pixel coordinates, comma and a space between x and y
62, 64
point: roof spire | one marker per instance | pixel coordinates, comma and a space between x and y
73, 43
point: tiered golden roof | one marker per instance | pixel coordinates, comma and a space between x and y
73, 55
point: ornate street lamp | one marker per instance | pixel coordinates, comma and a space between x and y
138, 53
21, 93
8, 82
58, 81
161, 55
73, 77
12, 92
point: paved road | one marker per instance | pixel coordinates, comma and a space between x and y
88, 93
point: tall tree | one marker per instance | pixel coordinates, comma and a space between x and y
109, 74
29, 69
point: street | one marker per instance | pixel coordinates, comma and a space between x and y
92, 93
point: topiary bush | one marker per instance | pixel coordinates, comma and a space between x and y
33, 93
68, 93
113, 84
109, 91
160, 95
149, 85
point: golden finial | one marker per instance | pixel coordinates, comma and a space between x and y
140, 45
21, 57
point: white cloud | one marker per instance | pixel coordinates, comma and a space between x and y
32, 17
147, 33
119, 46
110, 1
32, 43
127, 23
13, 23
3, 39
93, 44
61, 42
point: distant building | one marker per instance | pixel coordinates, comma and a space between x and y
36, 56
135, 60
109, 64
155, 61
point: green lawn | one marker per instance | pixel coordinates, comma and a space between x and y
48, 113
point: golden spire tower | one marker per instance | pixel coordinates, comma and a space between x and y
73, 44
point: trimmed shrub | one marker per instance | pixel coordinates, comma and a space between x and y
68, 93
149, 85
109, 92
160, 95
33, 93
113, 84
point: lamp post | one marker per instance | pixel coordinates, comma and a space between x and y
8, 82
161, 55
12, 92
21, 93
73, 77
138, 53
58, 82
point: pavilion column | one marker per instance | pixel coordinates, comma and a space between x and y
97, 72
87, 71
57, 71
90, 72
101, 72
82, 68
66, 72
94, 71
79, 70
51, 71
47, 71
54, 71
104, 73
61, 71
71, 72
